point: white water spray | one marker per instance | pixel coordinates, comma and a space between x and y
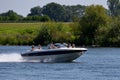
12, 57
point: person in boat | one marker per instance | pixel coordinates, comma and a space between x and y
69, 45
52, 46
39, 46
73, 45
32, 48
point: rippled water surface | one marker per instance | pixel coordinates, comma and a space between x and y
95, 64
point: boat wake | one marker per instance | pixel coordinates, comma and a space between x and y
12, 57
16, 57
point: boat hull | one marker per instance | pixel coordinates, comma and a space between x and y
56, 55
53, 58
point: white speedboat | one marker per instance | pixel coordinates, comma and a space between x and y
61, 54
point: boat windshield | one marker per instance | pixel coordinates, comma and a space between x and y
59, 45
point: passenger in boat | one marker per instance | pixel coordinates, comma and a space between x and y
52, 46
32, 48
69, 45
39, 46
73, 45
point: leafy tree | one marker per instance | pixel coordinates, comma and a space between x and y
114, 33
55, 11
44, 36
45, 18
76, 31
54, 32
36, 11
0, 18
28, 18
36, 15
114, 7
74, 12
10, 16
109, 35
78, 10
101, 38
94, 17
37, 18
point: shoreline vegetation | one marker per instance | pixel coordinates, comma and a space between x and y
82, 25
30, 33
43, 33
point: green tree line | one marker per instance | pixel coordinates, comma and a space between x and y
56, 12
12, 16
51, 11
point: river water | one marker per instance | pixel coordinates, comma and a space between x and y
95, 64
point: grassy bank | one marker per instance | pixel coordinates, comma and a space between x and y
17, 33
18, 27
21, 33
